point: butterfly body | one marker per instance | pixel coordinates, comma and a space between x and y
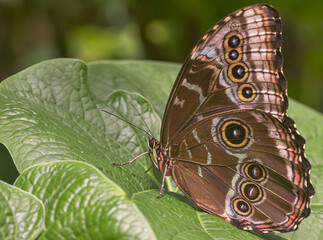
226, 139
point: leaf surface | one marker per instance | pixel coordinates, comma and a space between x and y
51, 112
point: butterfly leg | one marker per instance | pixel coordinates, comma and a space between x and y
132, 160
152, 160
147, 170
162, 185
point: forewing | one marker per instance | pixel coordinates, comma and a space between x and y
237, 64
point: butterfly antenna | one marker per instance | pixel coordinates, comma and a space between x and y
151, 134
148, 133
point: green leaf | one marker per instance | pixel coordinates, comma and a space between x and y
82, 203
182, 219
153, 80
21, 214
48, 114
52, 112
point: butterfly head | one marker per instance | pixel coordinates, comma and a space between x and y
154, 148
152, 142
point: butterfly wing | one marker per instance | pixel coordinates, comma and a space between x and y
233, 150
246, 167
237, 64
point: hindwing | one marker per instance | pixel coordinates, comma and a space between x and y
246, 167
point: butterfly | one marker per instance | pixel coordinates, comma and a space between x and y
226, 139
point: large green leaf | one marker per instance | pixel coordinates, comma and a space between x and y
153, 80
21, 214
51, 112
81, 203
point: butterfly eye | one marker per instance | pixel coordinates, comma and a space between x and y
151, 142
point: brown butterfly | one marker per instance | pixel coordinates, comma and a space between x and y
225, 137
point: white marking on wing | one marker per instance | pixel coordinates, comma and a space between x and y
209, 158
209, 51
188, 151
195, 54
213, 129
290, 173
179, 102
199, 171
212, 53
195, 136
199, 117
193, 87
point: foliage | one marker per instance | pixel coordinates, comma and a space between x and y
64, 147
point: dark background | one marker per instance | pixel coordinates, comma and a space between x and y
35, 30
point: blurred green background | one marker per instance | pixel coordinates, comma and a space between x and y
35, 30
